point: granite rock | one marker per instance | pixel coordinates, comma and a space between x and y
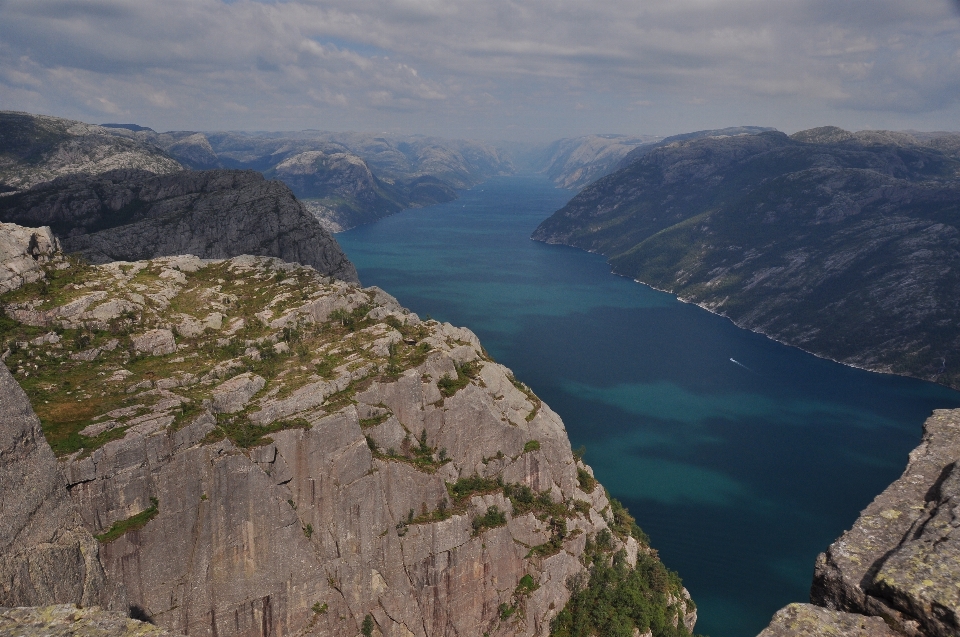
127, 215
806, 620
46, 554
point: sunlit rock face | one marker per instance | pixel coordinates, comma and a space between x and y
262, 450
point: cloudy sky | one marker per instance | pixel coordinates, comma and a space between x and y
488, 69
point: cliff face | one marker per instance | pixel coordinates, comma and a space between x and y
38, 148
797, 238
130, 215
46, 554
265, 451
895, 572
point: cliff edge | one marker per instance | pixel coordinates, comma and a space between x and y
261, 450
896, 571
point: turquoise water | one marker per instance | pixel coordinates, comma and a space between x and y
739, 472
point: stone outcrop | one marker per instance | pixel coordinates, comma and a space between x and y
68, 620
901, 559
897, 568
129, 215
812, 621
23, 253
46, 554
316, 459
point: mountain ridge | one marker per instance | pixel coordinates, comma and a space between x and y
794, 239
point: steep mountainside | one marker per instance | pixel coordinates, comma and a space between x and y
346, 179
263, 451
37, 148
895, 572
574, 163
129, 215
799, 238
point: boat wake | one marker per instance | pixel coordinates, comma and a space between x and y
736, 362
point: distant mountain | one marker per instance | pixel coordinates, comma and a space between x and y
345, 179
38, 148
575, 162
844, 244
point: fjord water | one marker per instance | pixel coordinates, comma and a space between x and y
740, 457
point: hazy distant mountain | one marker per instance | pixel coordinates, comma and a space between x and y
575, 162
345, 179
844, 244
38, 148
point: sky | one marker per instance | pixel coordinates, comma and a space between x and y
525, 70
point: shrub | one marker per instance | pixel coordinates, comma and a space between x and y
493, 518
532, 445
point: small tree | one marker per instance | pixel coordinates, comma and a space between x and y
367, 627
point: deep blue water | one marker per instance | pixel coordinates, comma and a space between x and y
739, 472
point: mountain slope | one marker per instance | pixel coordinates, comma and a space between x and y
130, 215
38, 148
798, 238
345, 179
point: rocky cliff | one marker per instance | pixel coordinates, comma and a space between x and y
896, 571
38, 148
261, 450
130, 215
795, 237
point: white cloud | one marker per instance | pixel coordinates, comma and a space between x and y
441, 66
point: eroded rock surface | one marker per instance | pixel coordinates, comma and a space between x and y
806, 620
38, 148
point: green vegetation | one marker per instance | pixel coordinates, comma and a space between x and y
587, 482
320, 609
623, 523
247, 435
465, 373
493, 518
614, 599
465, 488
133, 523
367, 627
531, 445
421, 455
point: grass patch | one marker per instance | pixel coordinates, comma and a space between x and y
530, 396
247, 435
133, 523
